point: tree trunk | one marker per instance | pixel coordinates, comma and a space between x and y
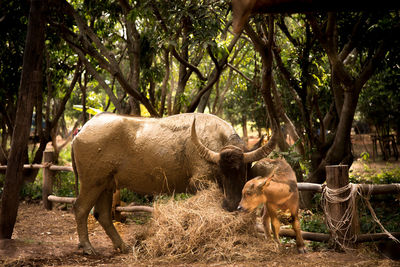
164, 86
346, 90
203, 102
83, 87
244, 127
133, 41
31, 80
263, 46
183, 78
184, 73
172, 88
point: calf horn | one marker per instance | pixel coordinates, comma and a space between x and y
261, 152
203, 151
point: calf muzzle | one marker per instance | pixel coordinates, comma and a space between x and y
241, 209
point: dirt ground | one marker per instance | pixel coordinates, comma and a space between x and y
49, 238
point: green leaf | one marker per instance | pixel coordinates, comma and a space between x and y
89, 110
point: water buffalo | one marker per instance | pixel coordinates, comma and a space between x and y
150, 156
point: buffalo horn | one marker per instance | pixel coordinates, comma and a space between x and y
203, 151
261, 152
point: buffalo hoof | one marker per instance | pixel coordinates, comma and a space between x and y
87, 249
302, 250
123, 248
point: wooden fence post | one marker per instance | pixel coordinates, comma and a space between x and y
337, 176
48, 175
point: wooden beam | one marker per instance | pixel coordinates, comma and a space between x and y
375, 189
309, 187
69, 200
319, 237
26, 166
135, 208
39, 166
61, 168
48, 175
376, 237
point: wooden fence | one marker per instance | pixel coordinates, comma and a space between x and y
337, 178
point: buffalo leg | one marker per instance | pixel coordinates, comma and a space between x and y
82, 207
102, 212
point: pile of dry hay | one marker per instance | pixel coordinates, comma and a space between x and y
199, 230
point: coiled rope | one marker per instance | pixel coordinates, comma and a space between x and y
345, 222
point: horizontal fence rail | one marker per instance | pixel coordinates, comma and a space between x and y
321, 237
129, 208
337, 178
302, 186
40, 166
373, 189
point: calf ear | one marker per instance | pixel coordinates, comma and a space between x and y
262, 184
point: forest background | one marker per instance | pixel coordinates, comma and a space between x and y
313, 74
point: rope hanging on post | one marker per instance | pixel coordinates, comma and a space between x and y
344, 224
373, 214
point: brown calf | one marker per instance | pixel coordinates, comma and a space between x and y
276, 189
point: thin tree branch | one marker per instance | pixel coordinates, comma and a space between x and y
187, 64
282, 25
329, 43
241, 73
97, 76
64, 101
110, 64
349, 46
214, 76
370, 67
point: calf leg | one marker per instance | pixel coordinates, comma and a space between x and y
294, 212
299, 238
102, 212
266, 221
276, 225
